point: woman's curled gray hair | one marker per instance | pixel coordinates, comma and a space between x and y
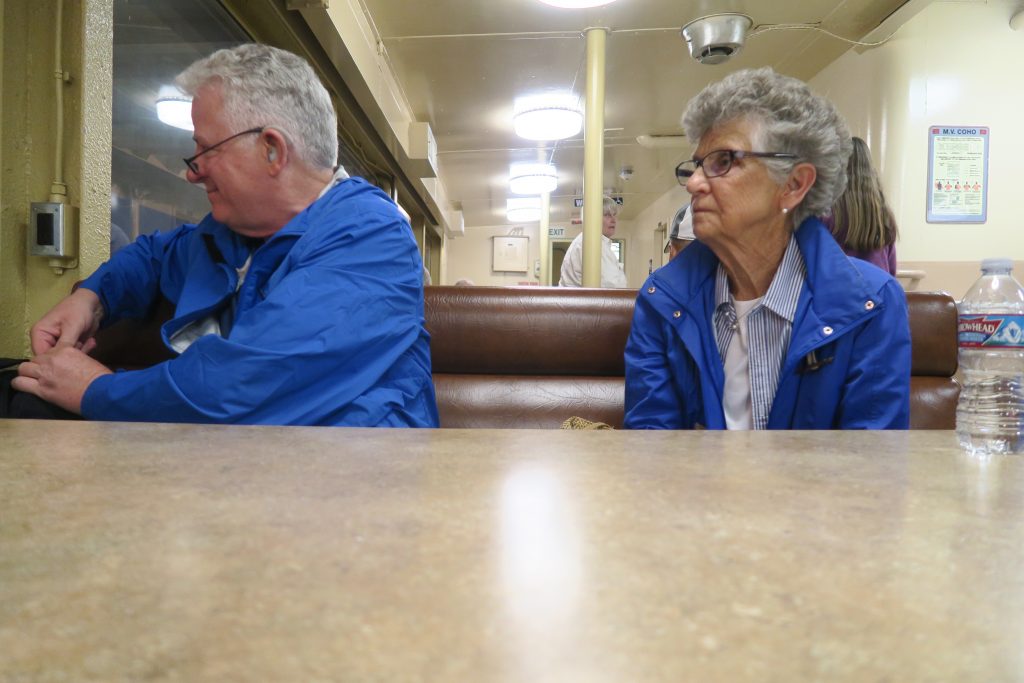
265, 86
786, 117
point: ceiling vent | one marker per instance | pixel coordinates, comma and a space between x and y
455, 226
715, 38
422, 150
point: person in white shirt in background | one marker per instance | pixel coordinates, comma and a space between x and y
612, 275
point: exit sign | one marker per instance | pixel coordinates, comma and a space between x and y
556, 232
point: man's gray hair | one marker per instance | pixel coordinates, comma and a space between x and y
786, 117
609, 207
265, 86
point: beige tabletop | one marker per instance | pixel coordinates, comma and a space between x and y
160, 552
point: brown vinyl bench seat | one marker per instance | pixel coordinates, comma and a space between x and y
531, 357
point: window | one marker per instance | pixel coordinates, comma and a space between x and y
619, 249
153, 43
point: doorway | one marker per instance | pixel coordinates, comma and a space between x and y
555, 258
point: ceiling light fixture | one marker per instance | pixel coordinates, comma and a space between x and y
577, 4
532, 178
174, 107
552, 116
523, 209
659, 141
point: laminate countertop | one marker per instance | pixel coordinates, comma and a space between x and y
169, 552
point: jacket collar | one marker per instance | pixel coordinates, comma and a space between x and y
831, 277
234, 248
840, 292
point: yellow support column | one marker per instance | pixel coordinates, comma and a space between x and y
593, 157
545, 223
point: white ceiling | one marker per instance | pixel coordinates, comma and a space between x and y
461, 63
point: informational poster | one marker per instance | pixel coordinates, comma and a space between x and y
510, 253
958, 174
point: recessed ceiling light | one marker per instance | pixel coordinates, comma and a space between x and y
523, 209
577, 4
552, 116
532, 178
174, 107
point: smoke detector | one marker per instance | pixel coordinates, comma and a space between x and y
717, 37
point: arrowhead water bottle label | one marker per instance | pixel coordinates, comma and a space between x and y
991, 331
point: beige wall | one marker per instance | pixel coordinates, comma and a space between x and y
649, 243
955, 63
469, 256
28, 286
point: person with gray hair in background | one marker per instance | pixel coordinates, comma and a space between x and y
298, 300
612, 275
764, 323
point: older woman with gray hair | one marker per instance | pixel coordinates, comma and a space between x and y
764, 323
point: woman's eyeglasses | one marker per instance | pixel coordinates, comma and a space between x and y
719, 162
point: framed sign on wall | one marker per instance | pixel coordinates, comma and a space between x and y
958, 174
510, 253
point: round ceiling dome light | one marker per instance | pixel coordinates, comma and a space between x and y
174, 107
523, 209
577, 4
553, 116
532, 178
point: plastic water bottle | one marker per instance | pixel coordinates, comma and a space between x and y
990, 413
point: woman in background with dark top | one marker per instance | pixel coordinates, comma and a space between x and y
861, 221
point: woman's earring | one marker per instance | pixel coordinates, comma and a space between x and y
785, 210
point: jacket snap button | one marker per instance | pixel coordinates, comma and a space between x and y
650, 290
826, 330
869, 305
676, 314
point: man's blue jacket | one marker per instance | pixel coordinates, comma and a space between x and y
327, 329
847, 366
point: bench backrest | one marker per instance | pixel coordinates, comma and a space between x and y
533, 357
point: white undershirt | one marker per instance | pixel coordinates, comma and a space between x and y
736, 402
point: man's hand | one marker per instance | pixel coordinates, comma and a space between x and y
59, 376
72, 322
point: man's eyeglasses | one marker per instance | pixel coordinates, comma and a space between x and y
191, 161
720, 161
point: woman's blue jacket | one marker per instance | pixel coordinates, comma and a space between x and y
847, 366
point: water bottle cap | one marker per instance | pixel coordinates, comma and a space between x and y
997, 264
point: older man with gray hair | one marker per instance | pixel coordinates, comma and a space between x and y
612, 275
297, 300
